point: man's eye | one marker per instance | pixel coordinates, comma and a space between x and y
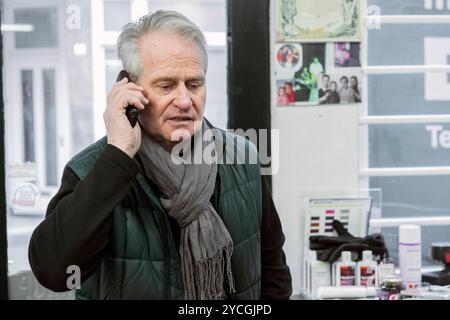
165, 86
195, 85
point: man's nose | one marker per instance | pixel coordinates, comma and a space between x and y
183, 99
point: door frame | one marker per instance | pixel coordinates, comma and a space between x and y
13, 58
3, 243
14, 123
249, 81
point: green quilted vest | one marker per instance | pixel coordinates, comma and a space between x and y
141, 260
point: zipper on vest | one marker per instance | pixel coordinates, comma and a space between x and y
167, 253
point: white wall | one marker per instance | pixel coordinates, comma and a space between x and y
318, 151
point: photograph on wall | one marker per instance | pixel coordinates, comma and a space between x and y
289, 59
307, 79
299, 70
347, 54
340, 89
318, 20
285, 92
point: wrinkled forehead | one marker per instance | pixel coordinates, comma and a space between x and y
162, 49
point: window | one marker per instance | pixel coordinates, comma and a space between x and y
407, 117
208, 15
113, 65
117, 13
44, 33
55, 99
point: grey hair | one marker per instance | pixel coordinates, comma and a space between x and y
169, 21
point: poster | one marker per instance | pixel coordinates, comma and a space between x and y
331, 89
311, 74
319, 20
300, 85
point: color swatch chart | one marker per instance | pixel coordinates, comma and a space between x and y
352, 213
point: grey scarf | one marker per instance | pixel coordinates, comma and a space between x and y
206, 245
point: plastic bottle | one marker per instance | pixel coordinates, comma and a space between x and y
345, 270
386, 269
333, 273
320, 274
367, 271
410, 255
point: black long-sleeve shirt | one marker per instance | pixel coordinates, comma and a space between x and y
78, 220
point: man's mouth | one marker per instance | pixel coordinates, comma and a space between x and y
181, 118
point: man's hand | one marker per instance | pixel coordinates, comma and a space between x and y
118, 129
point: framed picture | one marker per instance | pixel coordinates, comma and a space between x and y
319, 20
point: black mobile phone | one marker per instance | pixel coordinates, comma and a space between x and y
131, 111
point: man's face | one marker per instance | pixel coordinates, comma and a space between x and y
326, 82
173, 78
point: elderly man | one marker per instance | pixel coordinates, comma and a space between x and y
140, 225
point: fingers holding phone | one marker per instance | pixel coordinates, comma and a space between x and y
119, 130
